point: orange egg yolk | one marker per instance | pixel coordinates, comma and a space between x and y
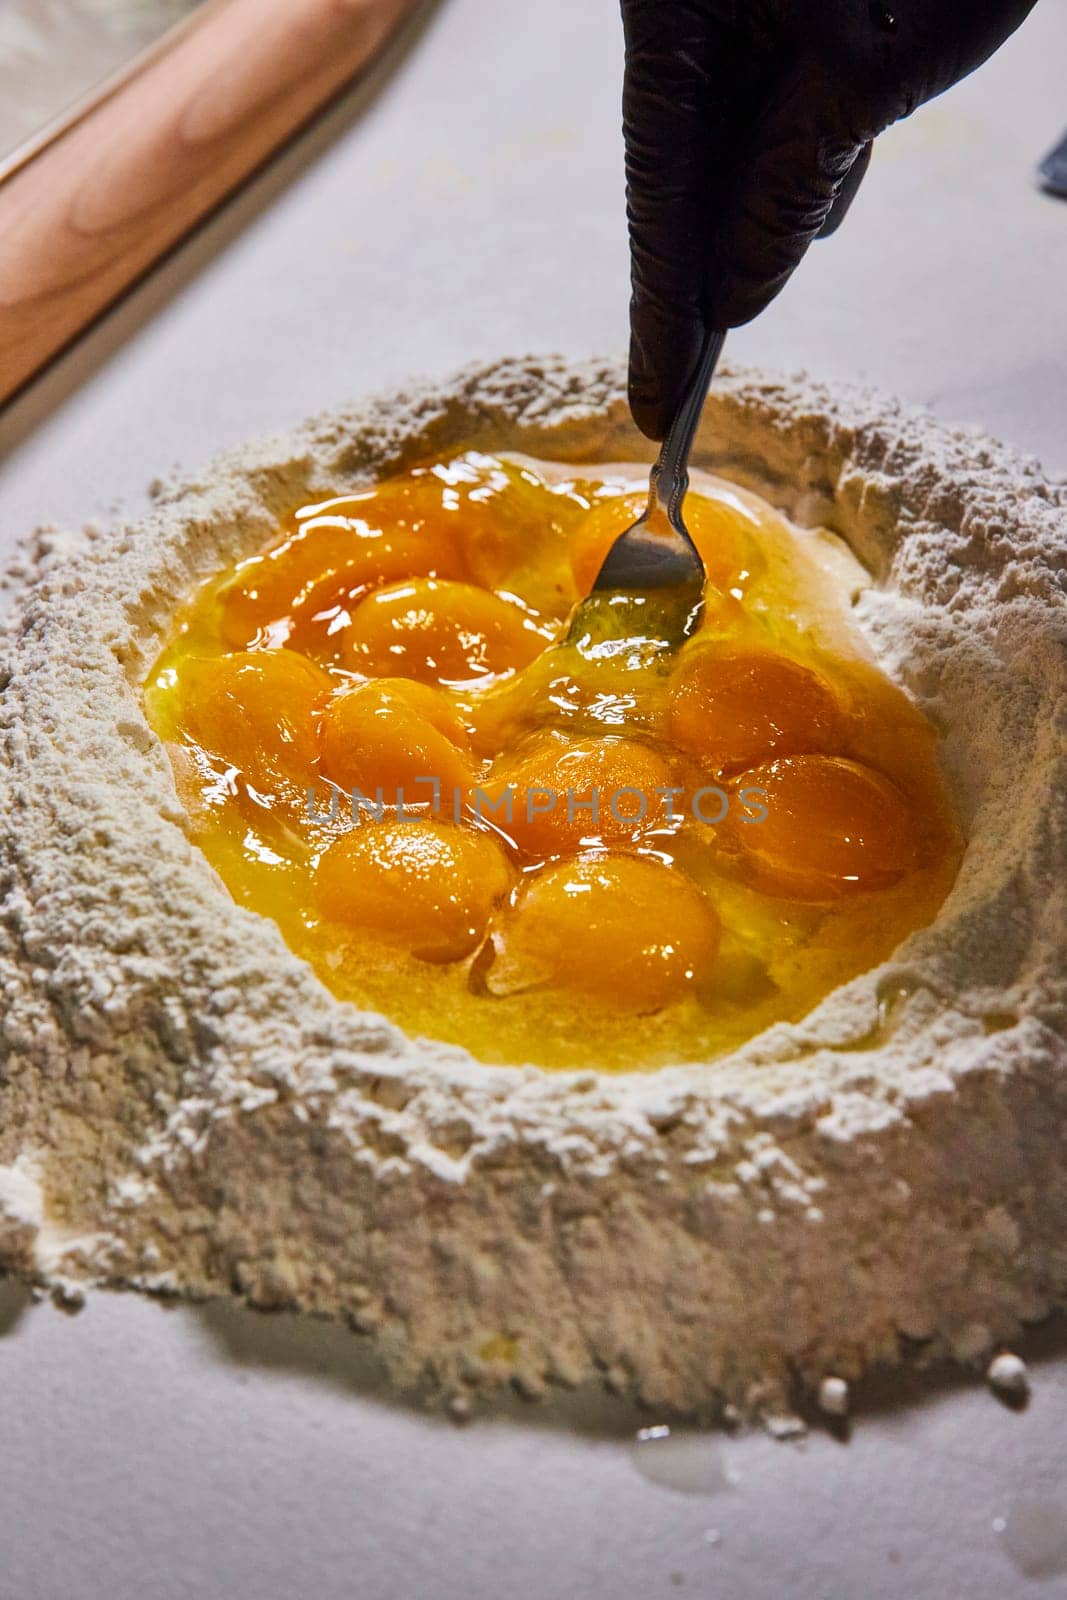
627, 932
438, 632
560, 790
426, 887
256, 712
398, 742
832, 827
730, 708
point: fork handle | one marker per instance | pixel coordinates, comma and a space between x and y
669, 478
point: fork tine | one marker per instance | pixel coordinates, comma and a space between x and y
656, 556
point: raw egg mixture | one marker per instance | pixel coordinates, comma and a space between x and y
572, 852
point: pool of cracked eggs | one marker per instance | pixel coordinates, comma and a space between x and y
581, 852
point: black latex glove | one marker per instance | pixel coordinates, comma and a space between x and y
748, 126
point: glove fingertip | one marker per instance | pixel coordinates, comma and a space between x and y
647, 410
663, 352
645, 387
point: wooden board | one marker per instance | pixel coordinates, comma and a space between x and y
100, 204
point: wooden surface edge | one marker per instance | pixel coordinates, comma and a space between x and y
107, 86
105, 200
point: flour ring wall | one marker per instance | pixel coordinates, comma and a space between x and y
185, 1109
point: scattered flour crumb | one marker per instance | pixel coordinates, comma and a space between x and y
1008, 1375
785, 1426
834, 1397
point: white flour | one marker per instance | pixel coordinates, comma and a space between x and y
184, 1108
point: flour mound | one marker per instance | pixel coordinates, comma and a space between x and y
184, 1108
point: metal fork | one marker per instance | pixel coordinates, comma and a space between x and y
651, 585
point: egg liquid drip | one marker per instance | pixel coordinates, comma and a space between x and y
587, 854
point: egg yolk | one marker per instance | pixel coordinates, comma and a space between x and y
733, 708
256, 711
400, 741
832, 828
621, 930
300, 591
719, 533
437, 632
561, 791
428, 888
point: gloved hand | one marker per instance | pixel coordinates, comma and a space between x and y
748, 127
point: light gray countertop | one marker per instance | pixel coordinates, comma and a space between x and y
467, 203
